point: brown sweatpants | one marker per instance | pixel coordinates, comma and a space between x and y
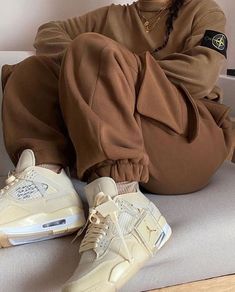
107, 111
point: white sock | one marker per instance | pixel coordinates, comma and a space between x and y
54, 167
127, 187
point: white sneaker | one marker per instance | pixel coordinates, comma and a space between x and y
37, 204
124, 231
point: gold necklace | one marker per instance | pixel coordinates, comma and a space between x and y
158, 15
148, 28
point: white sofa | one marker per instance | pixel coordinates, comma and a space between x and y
201, 246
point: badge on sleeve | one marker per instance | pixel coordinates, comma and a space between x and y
216, 41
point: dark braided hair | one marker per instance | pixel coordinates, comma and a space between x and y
173, 13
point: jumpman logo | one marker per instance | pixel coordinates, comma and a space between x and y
150, 231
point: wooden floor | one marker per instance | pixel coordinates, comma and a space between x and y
220, 284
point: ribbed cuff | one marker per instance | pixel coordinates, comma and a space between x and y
120, 170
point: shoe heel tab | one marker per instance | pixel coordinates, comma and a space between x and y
26, 160
104, 184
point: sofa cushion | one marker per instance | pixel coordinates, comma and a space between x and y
201, 246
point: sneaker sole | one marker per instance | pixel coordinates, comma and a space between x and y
60, 223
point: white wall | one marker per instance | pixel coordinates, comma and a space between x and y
229, 8
20, 19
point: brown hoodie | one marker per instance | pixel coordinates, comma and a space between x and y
183, 60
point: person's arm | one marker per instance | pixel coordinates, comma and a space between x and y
53, 37
198, 66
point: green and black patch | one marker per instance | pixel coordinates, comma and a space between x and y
215, 40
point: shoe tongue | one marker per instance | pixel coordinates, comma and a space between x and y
103, 184
26, 160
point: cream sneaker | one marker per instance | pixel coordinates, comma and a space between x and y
37, 204
124, 231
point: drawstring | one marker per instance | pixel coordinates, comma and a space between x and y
10, 181
104, 206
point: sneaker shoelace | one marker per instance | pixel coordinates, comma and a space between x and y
104, 207
10, 181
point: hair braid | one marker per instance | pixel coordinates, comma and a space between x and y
173, 13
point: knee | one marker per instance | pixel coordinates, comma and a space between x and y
30, 61
92, 44
31, 68
7, 69
19, 69
91, 40
28, 64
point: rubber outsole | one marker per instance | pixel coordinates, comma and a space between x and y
50, 229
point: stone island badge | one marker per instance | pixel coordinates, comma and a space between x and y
216, 41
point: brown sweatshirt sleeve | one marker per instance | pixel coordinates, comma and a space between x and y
197, 67
53, 37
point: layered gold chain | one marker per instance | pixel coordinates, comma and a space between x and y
150, 23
